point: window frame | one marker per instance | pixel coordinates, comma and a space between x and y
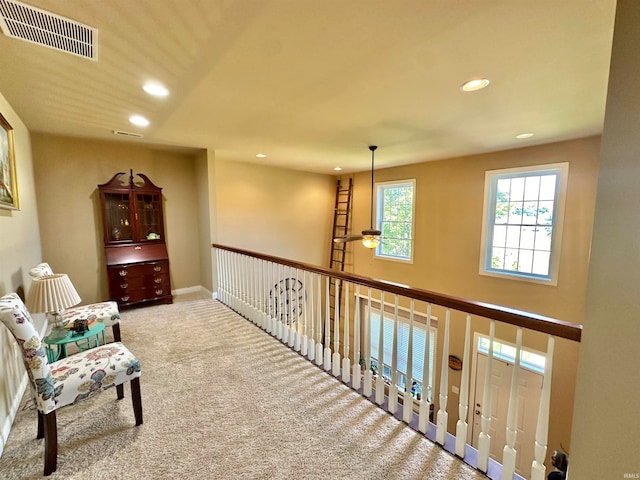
489, 205
419, 320
380, 187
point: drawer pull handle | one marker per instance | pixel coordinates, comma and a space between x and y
124, 286
157, 280
157, 268
125, 298
158, 291
123, 273
137, 248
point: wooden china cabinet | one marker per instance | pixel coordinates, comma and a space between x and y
134, 241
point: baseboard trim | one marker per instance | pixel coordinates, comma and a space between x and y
194, 289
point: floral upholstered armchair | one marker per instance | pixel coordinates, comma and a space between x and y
70, 380
103, 312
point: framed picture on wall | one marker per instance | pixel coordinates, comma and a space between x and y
8, 180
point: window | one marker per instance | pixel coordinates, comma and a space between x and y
522, 221
419, 342
396, 201
529, 360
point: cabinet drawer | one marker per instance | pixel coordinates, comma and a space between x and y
129, 272
127, 254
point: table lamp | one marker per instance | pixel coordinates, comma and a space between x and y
51, 295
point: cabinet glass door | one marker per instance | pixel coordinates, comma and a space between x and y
149, 217
118, 217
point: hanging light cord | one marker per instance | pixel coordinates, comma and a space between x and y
373, 149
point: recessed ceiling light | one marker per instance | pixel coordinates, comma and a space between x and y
155, 89
139, 120
475, 84
525, 135
337, 169
261, 155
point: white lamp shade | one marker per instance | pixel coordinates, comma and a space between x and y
53, 293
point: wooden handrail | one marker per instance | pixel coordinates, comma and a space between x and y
519, 318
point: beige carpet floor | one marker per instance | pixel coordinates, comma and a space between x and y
223, 399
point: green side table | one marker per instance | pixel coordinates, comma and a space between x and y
57, 349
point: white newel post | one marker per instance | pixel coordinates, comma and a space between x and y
425, 397
335, 361
509, 452
393, 388
484, 439
357, 368
407, 404
538, 469
443, 416
327, 325
346, 364
368, 376
463, 405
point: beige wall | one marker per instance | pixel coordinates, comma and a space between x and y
449, 204
67, 172
275, 211
19, 250
606, 429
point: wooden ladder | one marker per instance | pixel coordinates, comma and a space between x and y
341, 218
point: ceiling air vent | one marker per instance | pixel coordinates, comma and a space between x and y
34, 25
127, 134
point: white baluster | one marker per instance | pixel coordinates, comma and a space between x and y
484, 439
319, 346
299, 314
280, 305
335, 360
463, 404
538, 469
425, 397
509, 452
380, 379
304, 347
346, 364
393, 388
357, 368
368, 375
327, 326
293, 286
443, 415
407, 408
263, 298
311, 352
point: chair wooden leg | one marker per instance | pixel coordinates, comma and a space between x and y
136, 400
50, 443
40, 433
120, 390
116, 333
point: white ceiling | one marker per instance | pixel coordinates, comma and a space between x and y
313, 83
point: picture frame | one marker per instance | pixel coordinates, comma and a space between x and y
8, 177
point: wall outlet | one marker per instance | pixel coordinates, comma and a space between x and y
455, 389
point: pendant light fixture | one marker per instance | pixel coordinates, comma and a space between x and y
371, 237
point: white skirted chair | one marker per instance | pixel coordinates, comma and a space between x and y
70, 380
103, 312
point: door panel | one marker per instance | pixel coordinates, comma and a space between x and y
530, 387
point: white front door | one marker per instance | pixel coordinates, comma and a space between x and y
528, 401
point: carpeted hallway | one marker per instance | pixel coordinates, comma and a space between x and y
223, 399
